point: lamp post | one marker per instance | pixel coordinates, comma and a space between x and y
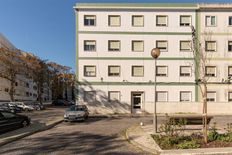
155, 52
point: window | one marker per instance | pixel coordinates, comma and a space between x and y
6, 89
230, 96
185, 71
210, 46
161, 96
137, 71
161, 70
137, 20
185, 46
161, 20
89, 96
211, 96
210, 20
162, 45
114, 96
230, 20
8, 114
229, 70
229, 46
89, 71
89, 45
89, 20
210, 71
114, 20
114, 45
185, 96
113, 70
185, 20
137, 46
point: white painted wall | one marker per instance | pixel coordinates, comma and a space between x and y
126, 20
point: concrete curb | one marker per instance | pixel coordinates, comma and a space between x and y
30, 133
200, 151
138, 145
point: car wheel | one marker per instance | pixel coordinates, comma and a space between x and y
24, 123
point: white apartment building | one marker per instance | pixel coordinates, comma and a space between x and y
116, 72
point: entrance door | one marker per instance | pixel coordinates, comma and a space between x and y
137, 102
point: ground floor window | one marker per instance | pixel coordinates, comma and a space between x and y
162, 96
185, 96
211, 96
230, 96
113, 96
89, 96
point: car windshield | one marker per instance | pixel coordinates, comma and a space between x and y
76, 108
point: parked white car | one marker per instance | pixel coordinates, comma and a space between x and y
23, 106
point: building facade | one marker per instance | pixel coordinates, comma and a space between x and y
25, 87
116, 72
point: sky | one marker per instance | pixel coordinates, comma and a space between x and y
47, 27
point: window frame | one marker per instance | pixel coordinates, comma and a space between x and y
229, 70
190, 20
109, 16
229, 100
85, 75
161, 75
229, 41
95, 20
185, 74
190, 96
95, 49
161, 50
206, 46
210, 16
94, 98
119, 74
211, 75
110, 50
132, 46
215, 95
119, 96
185, 50
132, 20
156, 96
161, 25
132, 71
229, 21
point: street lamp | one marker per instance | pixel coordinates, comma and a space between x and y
155, 53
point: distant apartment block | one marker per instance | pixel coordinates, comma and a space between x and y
115, 70
25, 88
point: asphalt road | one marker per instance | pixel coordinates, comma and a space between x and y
94, 137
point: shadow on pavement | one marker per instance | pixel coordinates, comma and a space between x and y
73, 143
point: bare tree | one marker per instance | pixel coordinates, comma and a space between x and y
12, 64
39, 72
60, 79
201, 60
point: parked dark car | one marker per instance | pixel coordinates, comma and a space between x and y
76, 113
60, 102
10, 121
9, 107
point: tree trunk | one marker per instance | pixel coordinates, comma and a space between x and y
39, 92
11, 91
204, 116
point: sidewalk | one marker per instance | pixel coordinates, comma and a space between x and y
40, 121
140, 137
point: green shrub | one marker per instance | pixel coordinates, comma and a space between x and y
213, 135
188, 145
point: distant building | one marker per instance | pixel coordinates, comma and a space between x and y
115, 70
25, 88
